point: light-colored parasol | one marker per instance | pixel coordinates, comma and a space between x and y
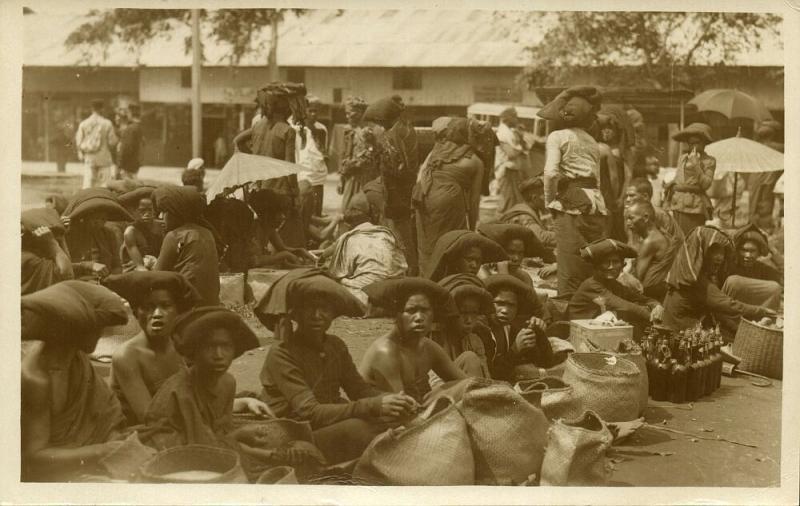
243, 169
731, 104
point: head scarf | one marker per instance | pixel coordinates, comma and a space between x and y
195, 164
688, 264
185, 202
452, 142
601, 248
359, 208
42, 217
298, 285
193, 327
355, 103
393, 294
293, 93
59, 202
618, 118
462, 286
552, 111
503, 233
525, 294
136, 287
93, 200
751, 232
385, 111
454, 242
72, 312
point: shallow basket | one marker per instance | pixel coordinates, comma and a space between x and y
194, 458
760, 348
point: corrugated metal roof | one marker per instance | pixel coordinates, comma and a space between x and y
327, 38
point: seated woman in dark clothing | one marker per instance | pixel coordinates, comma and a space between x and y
602, 292
516, 333
751, 280
45, 257
93, 246
694, 295
304, 374
519, 243
267, 248
461, 252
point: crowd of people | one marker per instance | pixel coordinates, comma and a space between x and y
467, 296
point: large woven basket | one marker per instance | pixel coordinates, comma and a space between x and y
760, 348
194, 458
607, 384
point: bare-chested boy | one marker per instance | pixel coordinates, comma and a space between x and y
142, 364
70, 419
401, 360
656, 251
142, 238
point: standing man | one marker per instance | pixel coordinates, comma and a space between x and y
357, 164
130, 144
686, 194
320, 133
94, 139
511, 160
571, 182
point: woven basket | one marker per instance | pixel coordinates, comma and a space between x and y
607, 385
194, 458
555, 398
281, 475
760, 348
576, 452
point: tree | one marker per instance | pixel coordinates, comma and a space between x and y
665, 49
238, 28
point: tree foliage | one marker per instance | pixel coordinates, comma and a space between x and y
662, 49
237, 28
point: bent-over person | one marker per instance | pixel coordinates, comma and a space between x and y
44, 256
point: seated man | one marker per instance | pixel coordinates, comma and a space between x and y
141, 243
462, 344
532, 213
519, 243
45, 260
196, 404
142, 364
400, 361
516, 332
751, 280
305, 372
189, 246
461, 252
366, 253
640, 190
694, 294
657, 249
602, 292
70, 418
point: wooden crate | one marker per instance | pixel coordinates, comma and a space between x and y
606, 338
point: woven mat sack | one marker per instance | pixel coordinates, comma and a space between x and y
576, 452
552, 395
605, 384
434, 450
644, 380
508, 434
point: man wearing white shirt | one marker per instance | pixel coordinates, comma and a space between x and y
94, 139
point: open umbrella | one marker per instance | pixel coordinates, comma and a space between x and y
244, 169
739, 154
731, 104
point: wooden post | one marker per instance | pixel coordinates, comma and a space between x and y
197, 105
46, 128
274, 73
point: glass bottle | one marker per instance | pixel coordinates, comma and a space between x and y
678, 375
692, 373
662, 372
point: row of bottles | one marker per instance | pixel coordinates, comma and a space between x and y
685, 366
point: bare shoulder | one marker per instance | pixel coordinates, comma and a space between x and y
34, 381
380, 350
129, 352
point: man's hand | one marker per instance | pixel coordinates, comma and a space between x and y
255, 406
397, 405
65, 220
526, 339
548, 270
657, 313
287, 257
303, 254
768, 313
99, 270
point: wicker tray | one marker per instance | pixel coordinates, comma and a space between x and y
760, 348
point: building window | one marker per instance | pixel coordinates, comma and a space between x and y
407, 79
186, 77
296, 75
337, 95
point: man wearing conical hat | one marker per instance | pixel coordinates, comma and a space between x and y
686, 194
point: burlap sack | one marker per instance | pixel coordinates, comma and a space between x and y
576, 452
508, 434
435, 450
555, 398
605, 384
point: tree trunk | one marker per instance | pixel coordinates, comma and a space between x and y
272, 63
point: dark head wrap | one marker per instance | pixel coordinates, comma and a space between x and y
615, 116
751, 233
688, 264
601, 248
453, 243
185, 202
552, 111
93, 200
385, 111
193, 327
42, 217
452, 141
71, 312
136, 287
300, 285
293, 93
503, 233
393, 294
525, 294
59, 202
462, 286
